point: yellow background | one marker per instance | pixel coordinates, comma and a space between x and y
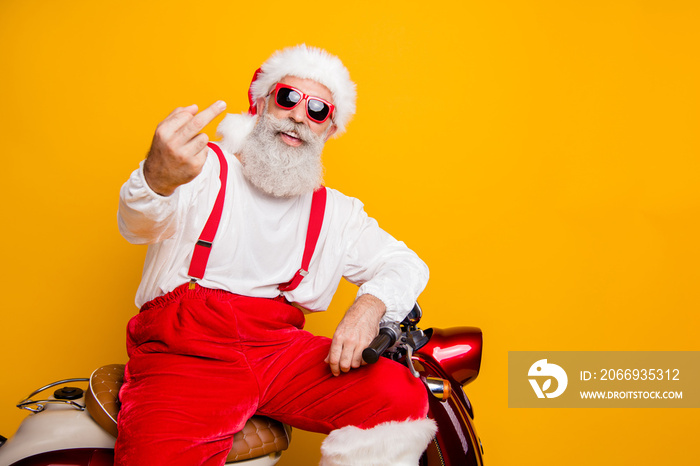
541, 157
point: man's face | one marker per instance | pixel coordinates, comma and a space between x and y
298, 113
282, 155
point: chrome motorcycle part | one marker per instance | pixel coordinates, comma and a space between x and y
439, 388
27, 402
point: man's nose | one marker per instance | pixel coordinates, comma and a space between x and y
298, 113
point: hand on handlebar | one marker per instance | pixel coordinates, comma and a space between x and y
354, 333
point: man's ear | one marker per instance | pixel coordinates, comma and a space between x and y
260, 105
331, 131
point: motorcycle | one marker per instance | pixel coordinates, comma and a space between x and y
76, 426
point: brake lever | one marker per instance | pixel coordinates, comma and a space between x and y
409, 361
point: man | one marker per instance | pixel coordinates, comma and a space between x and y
219, 336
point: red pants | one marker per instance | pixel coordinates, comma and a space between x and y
203, 361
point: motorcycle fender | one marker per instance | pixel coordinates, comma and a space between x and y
57, 427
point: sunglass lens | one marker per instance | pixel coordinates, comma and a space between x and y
318, 110
287, 98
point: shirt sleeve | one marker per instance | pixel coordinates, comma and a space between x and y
382, 266
146, 217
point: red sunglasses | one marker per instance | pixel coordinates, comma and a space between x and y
288, 97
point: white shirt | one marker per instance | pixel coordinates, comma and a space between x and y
260, 243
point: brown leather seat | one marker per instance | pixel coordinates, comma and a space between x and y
260, 436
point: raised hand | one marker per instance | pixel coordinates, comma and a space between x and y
179, 149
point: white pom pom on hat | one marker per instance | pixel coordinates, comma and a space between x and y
303, 62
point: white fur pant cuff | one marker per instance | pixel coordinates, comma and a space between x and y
388, 444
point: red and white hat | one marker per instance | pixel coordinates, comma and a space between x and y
302, 62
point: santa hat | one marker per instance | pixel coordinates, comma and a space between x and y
302, 62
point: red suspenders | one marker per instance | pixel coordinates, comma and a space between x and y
202, 249
318, 208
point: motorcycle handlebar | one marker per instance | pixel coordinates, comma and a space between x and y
375, 349
389, 332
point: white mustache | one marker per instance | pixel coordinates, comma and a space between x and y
300, 130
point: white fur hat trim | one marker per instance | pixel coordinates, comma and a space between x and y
315, 64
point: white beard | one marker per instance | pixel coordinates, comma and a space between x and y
276, 168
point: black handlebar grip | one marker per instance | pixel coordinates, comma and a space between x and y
375, 349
